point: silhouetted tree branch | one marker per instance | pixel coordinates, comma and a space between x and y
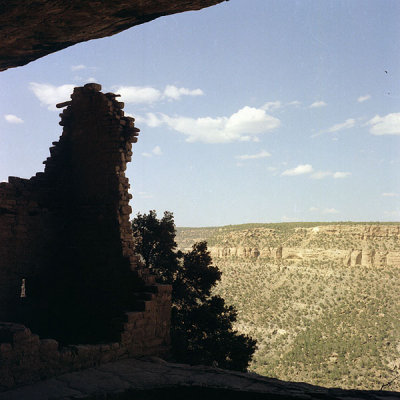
201, 330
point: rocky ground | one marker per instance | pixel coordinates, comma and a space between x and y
156, 379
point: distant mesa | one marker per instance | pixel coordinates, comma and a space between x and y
352, 245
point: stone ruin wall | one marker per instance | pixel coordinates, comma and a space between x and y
26, 358
77, 209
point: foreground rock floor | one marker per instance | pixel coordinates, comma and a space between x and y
153, 378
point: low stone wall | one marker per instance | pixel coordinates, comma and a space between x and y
25, 358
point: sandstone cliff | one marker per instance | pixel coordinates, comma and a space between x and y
365, 245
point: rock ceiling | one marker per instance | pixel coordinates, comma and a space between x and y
30, 29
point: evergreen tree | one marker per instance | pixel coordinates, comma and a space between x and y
201, 324
155, 242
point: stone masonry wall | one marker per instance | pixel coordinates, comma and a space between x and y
25, 358
66, 233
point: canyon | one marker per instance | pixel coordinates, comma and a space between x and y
36, 218
322, 299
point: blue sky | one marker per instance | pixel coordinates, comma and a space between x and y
250, 111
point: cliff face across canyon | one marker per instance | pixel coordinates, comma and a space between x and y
361, 244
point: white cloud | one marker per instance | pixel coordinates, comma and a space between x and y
299, 170
361, 99
50, 95
318, 104
341, 175
387, 125
175, 93
275, 105
146, 154
78, 67
152, 120
349, 123
150, 95
313, 209
321, 174
308, 169
261, 154
271, 105
325, 174
13, 119
244, 125
157, 151
138, 94
330, 211
390, 194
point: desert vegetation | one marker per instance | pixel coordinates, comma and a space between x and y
315, 320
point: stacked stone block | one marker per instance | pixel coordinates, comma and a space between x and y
25, 358
77, 209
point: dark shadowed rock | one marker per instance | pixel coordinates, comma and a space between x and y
153, 378
30, 29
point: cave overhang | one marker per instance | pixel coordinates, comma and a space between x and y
31, 29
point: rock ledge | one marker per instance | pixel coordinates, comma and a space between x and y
153, 376
30, 29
